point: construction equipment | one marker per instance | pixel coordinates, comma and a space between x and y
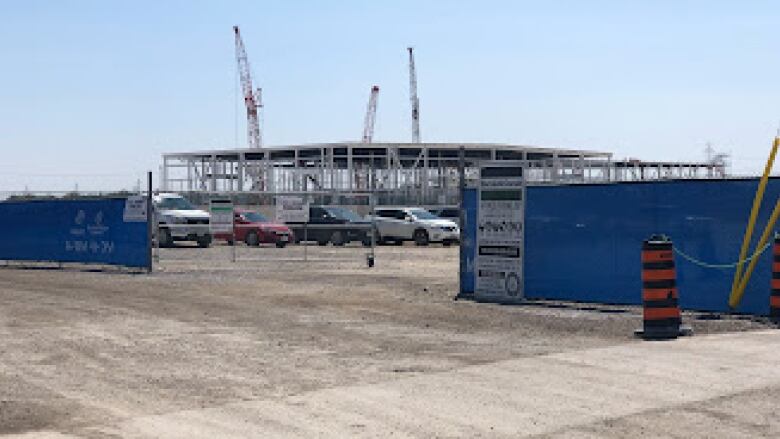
368, 124
413, 98
251, 99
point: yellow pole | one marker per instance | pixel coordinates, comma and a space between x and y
770, 225
752, 220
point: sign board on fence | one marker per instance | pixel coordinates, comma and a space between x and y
292, 209
221, 220
500, 229
135, 209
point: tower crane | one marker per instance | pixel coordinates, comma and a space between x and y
252, 99
368, 124
413, 98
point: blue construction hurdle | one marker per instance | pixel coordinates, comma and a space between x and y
583, 242
83, 231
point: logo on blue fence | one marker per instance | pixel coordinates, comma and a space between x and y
79, 243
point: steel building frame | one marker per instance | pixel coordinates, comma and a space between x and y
426, 173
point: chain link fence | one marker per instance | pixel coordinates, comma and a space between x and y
338, 229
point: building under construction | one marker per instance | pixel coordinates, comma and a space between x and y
414, 173
421, 173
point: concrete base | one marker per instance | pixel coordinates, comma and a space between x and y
664, 334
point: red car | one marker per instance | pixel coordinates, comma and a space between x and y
254, 229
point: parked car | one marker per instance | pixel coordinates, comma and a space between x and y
336, 225
178, 220
254, 229
449, 213
399, 224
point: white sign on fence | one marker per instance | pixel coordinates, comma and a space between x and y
135, 209
500, 231
221, 220
292, 209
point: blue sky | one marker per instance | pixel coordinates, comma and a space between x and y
94, 91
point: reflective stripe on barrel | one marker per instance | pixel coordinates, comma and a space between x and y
661, 313
650, 256
649, 294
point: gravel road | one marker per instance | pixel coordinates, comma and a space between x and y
84, 350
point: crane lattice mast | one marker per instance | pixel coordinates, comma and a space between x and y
368, 124
251, 100
259, 101
413, 98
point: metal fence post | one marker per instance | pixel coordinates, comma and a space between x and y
233, 229
372, 204
462, 216
149, 220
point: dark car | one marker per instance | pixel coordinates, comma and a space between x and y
336, 225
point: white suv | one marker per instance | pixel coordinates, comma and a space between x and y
400, 224
178, 220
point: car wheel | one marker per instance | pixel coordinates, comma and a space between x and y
446, 243
230, 242
280, 244
252, 239
367, 241
421, 237
321, 242
337, 238
204, 241
165, 239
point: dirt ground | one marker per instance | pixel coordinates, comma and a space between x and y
81, 351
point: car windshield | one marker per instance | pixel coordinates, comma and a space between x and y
345, 214
422, 214
175, 203
254, 217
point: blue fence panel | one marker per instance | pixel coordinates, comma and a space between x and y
86, 231
583, 242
